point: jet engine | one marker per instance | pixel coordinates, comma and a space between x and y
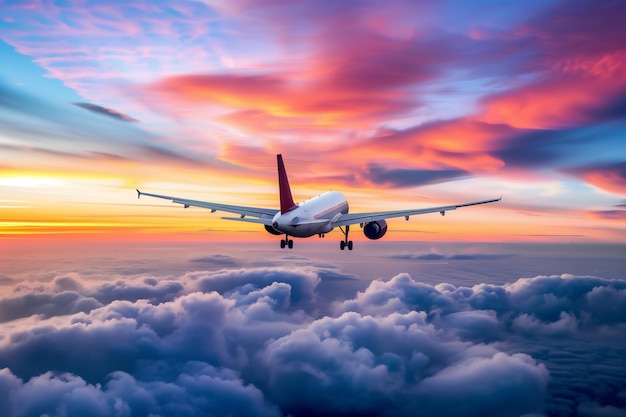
375, 230
273, 231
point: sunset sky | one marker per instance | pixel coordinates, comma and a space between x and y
112, 306
397, 104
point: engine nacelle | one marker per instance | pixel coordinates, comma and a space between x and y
273, 231
375, 230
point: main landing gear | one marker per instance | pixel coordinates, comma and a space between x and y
345, 243
286, 242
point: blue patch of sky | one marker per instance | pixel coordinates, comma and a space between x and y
447, 99
37, 111
20, 73
71, 18
490, 14
457, 97
44, 21
591, 145
64, 3
577, 195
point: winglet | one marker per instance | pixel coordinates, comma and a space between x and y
286, 200
138, 193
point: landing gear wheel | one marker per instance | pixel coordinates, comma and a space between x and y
286, 242
349, 245
342, 245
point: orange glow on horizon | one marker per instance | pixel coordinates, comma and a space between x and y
161, 223
94, 207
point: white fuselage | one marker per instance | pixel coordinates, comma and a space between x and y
313, 216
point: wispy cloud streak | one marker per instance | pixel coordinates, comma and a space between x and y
106, 112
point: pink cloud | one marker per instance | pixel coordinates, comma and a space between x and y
611, 178
326, 66
557, 102
458, 147
278, 101
609, 215
578, 66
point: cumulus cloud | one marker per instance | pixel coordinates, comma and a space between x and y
67, 295
395, 365
123, 395
258, 342
302, 282
545, 300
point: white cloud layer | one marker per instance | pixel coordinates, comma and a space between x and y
262, 341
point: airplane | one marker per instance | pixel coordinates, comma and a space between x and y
316, 216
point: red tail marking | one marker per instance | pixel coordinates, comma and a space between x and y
286, 200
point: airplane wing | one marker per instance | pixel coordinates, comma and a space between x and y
262, 214
347, 219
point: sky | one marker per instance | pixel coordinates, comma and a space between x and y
116, 307
398, 105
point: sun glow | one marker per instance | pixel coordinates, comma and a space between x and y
31, 182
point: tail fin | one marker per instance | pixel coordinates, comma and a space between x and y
286, 200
